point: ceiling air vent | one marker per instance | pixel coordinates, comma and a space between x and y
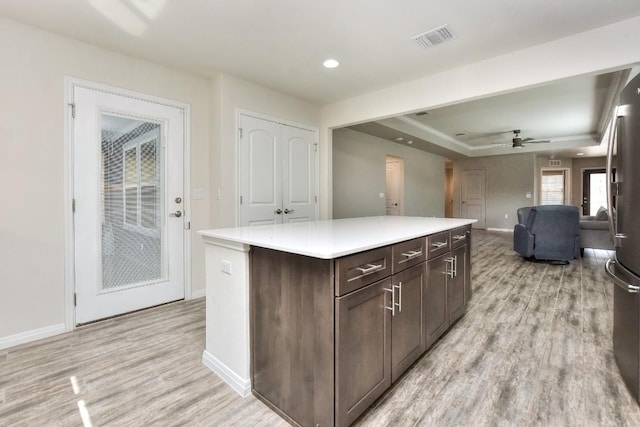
434, 36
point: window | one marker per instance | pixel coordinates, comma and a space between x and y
553, 187
141, 183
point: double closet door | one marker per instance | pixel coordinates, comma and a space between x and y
277, 172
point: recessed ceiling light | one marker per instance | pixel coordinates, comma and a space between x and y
399, 139
330, 63
580, 154
460, 134
409, 142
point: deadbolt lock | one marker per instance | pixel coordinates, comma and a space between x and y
178, 200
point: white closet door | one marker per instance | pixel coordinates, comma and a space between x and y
298, 174
260, 172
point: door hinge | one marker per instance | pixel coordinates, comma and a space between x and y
187, 225
73, 110
75, 299
315, 147
73, 205
240, 130
240, 199
316, 197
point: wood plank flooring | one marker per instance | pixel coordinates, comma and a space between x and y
533, 349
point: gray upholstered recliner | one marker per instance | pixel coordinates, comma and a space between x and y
548, 233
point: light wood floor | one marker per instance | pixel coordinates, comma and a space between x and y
533, 349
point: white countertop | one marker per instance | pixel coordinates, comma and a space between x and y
335, 238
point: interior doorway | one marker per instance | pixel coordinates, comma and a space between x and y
394, 186
473, 199
448, 192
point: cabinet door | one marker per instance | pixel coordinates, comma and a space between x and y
363, 349
407, 324
455, 284
437, 316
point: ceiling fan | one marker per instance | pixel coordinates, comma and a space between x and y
518, 142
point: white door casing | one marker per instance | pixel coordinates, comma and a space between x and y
129, 253
277, 172
473, 202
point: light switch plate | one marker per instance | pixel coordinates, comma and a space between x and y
226, 267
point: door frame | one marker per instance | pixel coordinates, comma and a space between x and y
567, 189
260, 116
70, 83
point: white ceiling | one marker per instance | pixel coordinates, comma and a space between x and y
281, 44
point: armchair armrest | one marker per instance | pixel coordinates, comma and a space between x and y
522, 240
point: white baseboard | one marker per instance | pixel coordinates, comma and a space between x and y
198, 293
502, 230
238, 384
32, 335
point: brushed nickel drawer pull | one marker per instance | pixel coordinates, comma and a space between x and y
457, 238
370, 268
412, 254
440, 245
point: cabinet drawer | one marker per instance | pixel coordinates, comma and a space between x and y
358, 270
460, 236
438, 244
407, 254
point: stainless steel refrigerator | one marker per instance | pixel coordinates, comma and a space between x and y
624, 194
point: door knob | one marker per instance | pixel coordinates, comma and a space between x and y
278, 211
289, 211
177, 214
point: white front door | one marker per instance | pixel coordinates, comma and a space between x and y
277, 177
128, 157
473, 197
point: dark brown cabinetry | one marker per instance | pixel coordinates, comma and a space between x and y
407, 320
448, 285
363, 349
328, 337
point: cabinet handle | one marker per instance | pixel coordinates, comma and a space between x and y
399, 303
370, 268
455, 266
450, 273
439, 245
457, 238
393, 301
412, 254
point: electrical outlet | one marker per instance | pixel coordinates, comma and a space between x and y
226, 267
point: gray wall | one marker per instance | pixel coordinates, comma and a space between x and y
508, 178
359, 176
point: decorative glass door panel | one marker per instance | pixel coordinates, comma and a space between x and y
132, 199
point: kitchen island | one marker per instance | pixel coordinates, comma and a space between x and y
318, 319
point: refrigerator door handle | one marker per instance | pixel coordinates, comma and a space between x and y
632, 289
613, 131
